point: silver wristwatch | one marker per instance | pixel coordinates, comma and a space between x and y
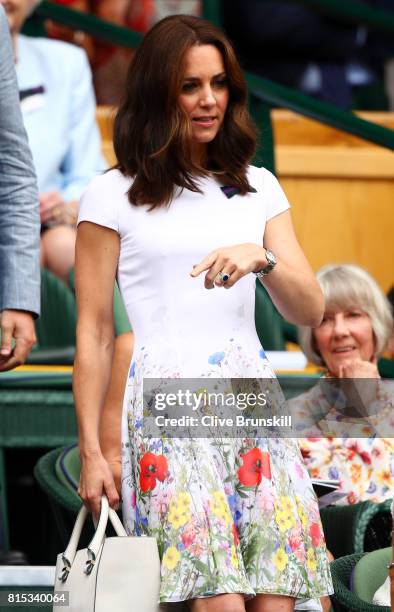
270, 257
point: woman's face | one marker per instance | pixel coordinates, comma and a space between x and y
16, 11
204, 96
343, 336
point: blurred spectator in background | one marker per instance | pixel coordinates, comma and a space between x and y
356, 327
77, 37
58, 108
306, 49
110, 62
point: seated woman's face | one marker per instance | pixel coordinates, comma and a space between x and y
343, 336
16, 11
204, 96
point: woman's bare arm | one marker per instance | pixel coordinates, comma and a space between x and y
97, 252
111, 417
291, 284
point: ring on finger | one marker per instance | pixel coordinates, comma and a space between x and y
224, 277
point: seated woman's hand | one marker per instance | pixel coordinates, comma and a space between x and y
360, 393
357, 368
55, 211
95, 480
234, 261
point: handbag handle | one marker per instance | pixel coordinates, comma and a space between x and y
98, 538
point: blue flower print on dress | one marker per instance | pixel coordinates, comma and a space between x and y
139, 423
372, 487
231, 502
216, 358
333, 473
139, 521
132, 370
262, 354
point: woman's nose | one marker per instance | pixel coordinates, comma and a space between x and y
340, 327
207, 97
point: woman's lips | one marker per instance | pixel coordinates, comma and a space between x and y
344, 349
204, 121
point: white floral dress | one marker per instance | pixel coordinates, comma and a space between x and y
230, 516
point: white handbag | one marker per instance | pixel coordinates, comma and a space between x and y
117, 574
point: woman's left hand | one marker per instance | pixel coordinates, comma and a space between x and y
236, 261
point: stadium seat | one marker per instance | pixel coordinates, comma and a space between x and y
357, 528
356, 579
55, 328
64, 501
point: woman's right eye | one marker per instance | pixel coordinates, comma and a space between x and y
186, 87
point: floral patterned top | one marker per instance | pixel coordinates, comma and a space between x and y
361, 457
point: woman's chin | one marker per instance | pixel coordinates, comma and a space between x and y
340, 358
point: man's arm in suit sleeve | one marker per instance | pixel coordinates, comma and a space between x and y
19, 209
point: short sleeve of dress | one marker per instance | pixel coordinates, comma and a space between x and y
98, 203
273, 194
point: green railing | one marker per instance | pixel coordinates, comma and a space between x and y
353, 11
263, 93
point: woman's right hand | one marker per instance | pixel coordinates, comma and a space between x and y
95, 480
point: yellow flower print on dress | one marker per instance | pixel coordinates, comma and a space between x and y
281, 559
183, 501
284, 520
219, 507
384, 477
311, 559
280, 518
234, 557
301, 513
287, 504
178, 515
171, 557
355, 473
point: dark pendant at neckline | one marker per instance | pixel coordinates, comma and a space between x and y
230, 191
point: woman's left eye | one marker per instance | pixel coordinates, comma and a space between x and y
354, 313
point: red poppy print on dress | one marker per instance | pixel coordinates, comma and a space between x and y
152, 467
315, 533
235, 535
255, 465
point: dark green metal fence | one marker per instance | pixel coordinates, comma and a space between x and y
263, 93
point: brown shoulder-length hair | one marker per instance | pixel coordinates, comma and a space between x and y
152, 134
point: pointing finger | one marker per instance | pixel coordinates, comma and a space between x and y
205, 264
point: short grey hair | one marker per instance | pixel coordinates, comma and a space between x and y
347, 286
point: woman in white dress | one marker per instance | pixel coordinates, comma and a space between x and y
183, 212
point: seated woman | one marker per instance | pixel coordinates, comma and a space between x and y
58, 107
355, 329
